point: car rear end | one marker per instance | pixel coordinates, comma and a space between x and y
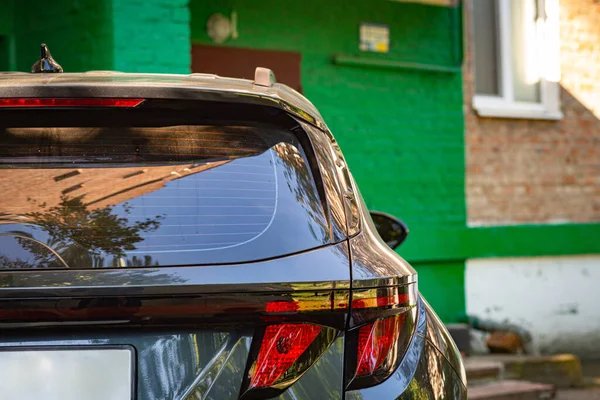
173, 241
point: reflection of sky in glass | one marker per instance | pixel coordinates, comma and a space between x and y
222, 207
11, 247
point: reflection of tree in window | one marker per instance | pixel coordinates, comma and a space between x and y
83, 237
7, 263
38, 255
300, 181
145, 261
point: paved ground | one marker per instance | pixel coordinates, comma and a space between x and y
578, 394
591, 372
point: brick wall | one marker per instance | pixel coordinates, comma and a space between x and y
151, 36
527, 171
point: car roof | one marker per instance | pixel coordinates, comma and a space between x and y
178, 86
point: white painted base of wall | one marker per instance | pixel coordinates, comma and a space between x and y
556, 298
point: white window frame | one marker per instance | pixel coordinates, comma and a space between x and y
504, 106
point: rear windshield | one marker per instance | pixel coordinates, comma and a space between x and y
134, 196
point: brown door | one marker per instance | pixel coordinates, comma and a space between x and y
241, 63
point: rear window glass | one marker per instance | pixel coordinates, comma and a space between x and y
128, 196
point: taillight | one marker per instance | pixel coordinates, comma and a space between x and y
375, 342
285, 352
382, 323
258, 308
281, 347
328, 301
16, 102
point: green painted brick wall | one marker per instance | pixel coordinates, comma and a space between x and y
401, 131
83, 35
151, 36
6, 16
78, 33
444, 287
7, 45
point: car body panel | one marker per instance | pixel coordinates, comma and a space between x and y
374, 264
175, 296
434, 378
440, 338
303, 271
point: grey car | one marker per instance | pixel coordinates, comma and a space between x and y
197, 237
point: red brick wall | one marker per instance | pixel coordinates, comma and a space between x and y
532, 171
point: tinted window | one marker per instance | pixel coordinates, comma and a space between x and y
183, 194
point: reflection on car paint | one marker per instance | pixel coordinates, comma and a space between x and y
222, 376
434, 379
374, 263
331, 182
304, 271
442, 340
324, 379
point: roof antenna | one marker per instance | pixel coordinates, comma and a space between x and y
46, 63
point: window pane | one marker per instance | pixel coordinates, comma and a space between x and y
485, 25
183, 192
526, 77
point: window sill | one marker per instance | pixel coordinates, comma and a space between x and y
495, 109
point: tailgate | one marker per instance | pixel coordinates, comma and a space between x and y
187, 244
193, 332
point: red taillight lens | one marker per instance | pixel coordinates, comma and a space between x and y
381, 326
282, 306
68, 102
375, 342
281, 347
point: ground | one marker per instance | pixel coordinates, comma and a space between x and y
578, 394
